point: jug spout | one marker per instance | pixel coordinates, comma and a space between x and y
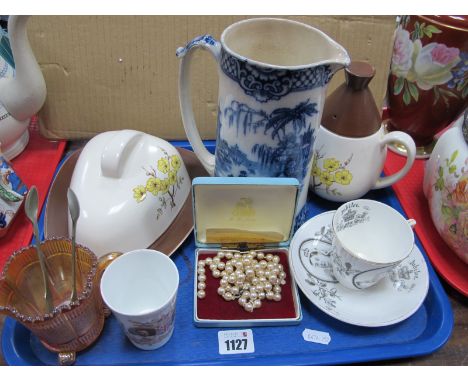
332, 54
24, 94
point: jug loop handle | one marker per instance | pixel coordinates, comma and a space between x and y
405, 140
208, 43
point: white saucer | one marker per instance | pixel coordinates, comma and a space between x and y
392, 300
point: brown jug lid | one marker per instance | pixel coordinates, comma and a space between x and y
351, 110
359, 74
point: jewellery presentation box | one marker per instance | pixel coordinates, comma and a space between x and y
240, 215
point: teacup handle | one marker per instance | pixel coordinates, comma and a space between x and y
408, 143
185, 53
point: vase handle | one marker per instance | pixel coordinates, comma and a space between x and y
408, 143
185, 54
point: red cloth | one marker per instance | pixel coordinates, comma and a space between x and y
35, 166
214, 307
410, 193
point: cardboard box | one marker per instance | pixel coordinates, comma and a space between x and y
120, 72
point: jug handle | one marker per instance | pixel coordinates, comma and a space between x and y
113, 154
185, 54
408, 143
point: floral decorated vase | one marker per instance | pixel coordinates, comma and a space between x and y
428, 80
446, 187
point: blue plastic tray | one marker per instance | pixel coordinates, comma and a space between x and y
423, 333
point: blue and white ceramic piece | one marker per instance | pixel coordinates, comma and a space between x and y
22, 87
273, 75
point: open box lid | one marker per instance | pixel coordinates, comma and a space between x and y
244, 212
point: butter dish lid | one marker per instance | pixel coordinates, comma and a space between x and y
245, 211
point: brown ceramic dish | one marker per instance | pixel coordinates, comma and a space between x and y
56, 218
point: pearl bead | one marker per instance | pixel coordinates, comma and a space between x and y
242, 301
246, 294
261, 295
260, 255
257, 304
208, 260
269, 257
235, 290
267, 274
239, 283
277, 289
228, 296
276, 259
277, 297
270, 295
221, 255
249, 273
201, 278
246, 286
268, 287
221, 266
213, 266
270, 266
201, 285
255, 280
221, 291
201, 271
259, 288
263, 264
237, 256
246, 261
257, 269
228, 255
201, 294
249, 307
216, 274
283, 282
223, 282
262, 279
229, 269
253, 253
201, 263
253, 295
216, 260
223, 273
232, 278
273, 279
282, 275
239, 264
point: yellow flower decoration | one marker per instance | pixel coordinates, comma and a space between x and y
163, 165
327, 178
172, 178
175, 162
343, 177
153, 185
139, 193
315, 170
331, 164
164, 186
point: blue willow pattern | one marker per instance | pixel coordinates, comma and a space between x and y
287, 155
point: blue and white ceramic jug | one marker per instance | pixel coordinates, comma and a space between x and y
273, 75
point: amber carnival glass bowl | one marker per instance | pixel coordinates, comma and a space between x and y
71, 326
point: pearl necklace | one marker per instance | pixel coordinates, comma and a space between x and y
249, 277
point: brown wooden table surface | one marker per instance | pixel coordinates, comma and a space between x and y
454, 352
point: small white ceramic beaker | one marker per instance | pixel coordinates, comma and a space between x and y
140, 288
